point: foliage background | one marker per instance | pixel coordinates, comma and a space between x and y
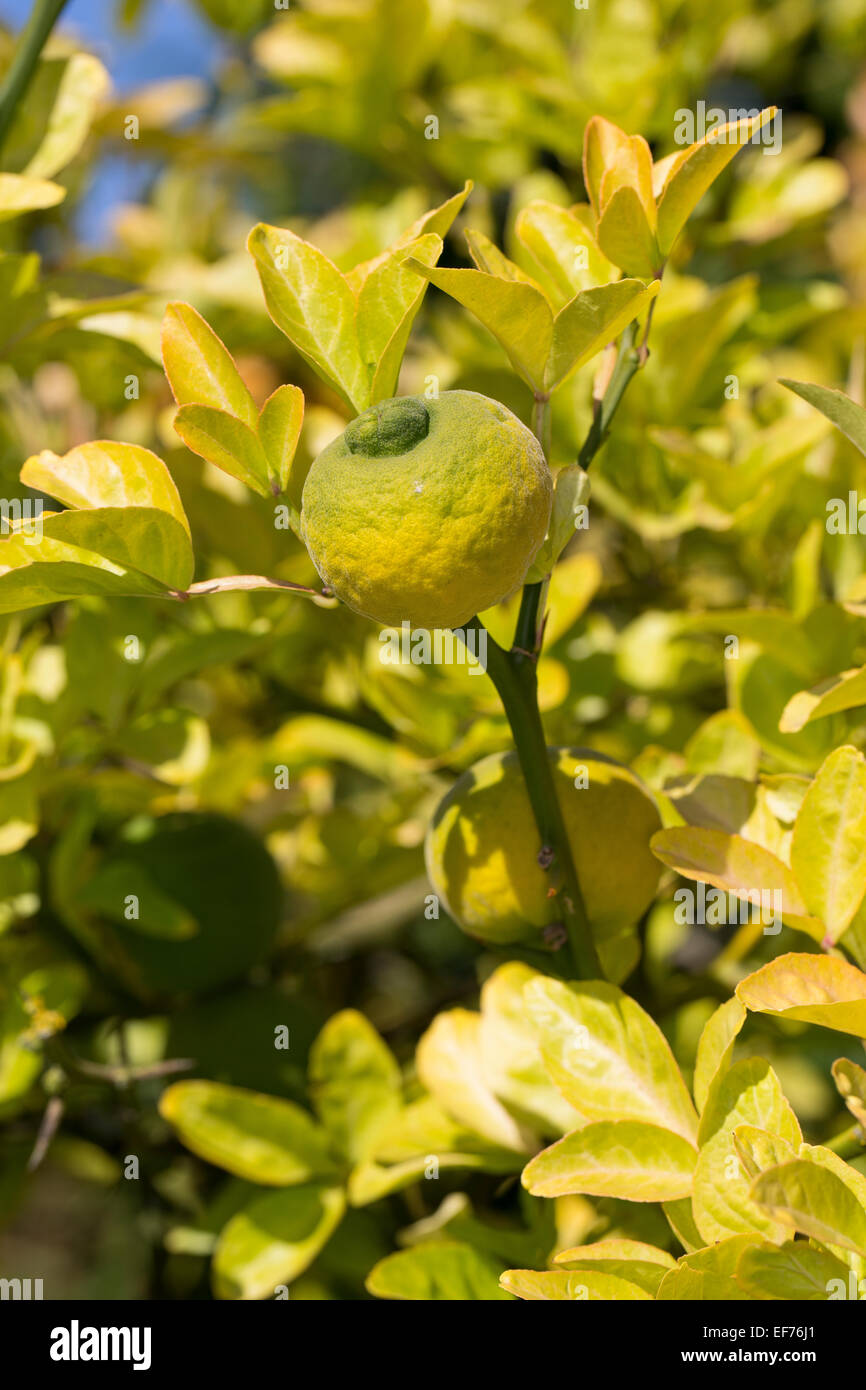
316, 121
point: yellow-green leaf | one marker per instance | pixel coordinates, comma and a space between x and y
639, 1263
828, 845
737, 866
145, 539
279, 428
716, 1046
273, 1239
592, 320
795, 1270
561, 241
388, 301
625, 235
815, 1201
226, 442
847, 415
517, 314
450, 1065
813, 988
354, 1082
312, 303
437, 1271
257, 1137
694, 169
199, 367
19, 193
607, 1056
574, 1286
106, 474
627, 1159
707, 1275
511, 1057
748, 1094
851, 1085
831, 696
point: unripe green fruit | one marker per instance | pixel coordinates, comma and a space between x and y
427, 512
482, 848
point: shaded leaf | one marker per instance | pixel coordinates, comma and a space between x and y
273, 1239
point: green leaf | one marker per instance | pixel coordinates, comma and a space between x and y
82, 85
34, 572
388, 302
851, 1085
137, 538
757, 1150
813, 1200
312, 303
19, 194
106, 474
831, 696
561, 241
748, 1094
716, 1046
813, 988
627, 1159
737, 866
607, 1056
355, 1082
570, 497
450, 1065
517, 314
592, 320
708, 1275
226, 442
641, 1264
488, 257
794, 1270
590, 1286
279, 428
511, 1057
438, 1271
158, 915
680, 1217
254, 1136
199, 367
693, 170
625, 235
828, 845
845, 414
273, 1239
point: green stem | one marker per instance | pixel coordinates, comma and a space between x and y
516, 683
629, 361
31, 41
849, 1144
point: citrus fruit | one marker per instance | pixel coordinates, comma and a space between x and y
426, 511
482, 849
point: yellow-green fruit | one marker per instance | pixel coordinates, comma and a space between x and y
426, 511
483, 844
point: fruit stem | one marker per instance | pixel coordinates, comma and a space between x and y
516, 682
31, 41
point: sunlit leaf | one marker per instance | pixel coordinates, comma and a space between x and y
354, 1082
627, 1159
273, 1239
813, 988
828, 846
199, 367
261, 1138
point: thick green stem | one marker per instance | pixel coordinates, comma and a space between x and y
31, 41
515, 679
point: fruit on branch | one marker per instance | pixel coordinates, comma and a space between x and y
483, 850
427, 511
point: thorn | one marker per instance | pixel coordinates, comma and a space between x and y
555, 936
